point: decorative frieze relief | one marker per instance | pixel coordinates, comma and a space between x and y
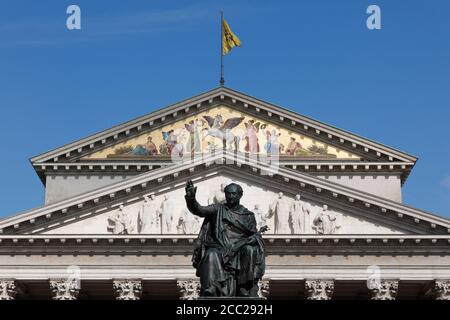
163, 215
325, 221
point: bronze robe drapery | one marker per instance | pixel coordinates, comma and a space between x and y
229, 254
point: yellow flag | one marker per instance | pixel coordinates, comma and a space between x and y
229, 39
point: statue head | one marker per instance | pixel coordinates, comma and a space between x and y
280, 195
325, 207
233, 194
297, 197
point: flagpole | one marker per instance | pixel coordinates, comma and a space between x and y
222, 80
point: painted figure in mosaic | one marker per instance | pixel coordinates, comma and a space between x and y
193, 142
151, 147
163, 149
325, 222
170, 140
223, 130
171, 146
148, 217
120, 222
211, 147
139, 150
272, 146
268, 145
280, 210
229, 256
251, 138
300, 216
293, 147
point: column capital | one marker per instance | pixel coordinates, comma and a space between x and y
189, 288
8, 289
264, 288
383, 290
441, 289
319, 289
127, 289
64, 289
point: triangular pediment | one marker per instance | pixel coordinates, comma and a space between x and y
314, 137
164, 212
354, 212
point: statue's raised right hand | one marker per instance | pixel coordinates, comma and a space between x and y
190, 189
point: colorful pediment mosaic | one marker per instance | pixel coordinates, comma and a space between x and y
218, 127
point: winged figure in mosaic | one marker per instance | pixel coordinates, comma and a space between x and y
222, 130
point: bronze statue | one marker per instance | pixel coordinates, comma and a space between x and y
229, 255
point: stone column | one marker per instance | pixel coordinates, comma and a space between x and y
65, 289
384, 290
441, 289
319, 289
8, 289
189, 288
263, 288
127, 289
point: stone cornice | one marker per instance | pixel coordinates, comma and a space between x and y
313, 167
356, 144
183, 244
179, 173
303, 166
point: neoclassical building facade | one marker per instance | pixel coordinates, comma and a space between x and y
115, 225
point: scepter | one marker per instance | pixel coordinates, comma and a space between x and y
263, 229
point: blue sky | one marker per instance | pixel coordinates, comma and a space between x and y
313, 57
